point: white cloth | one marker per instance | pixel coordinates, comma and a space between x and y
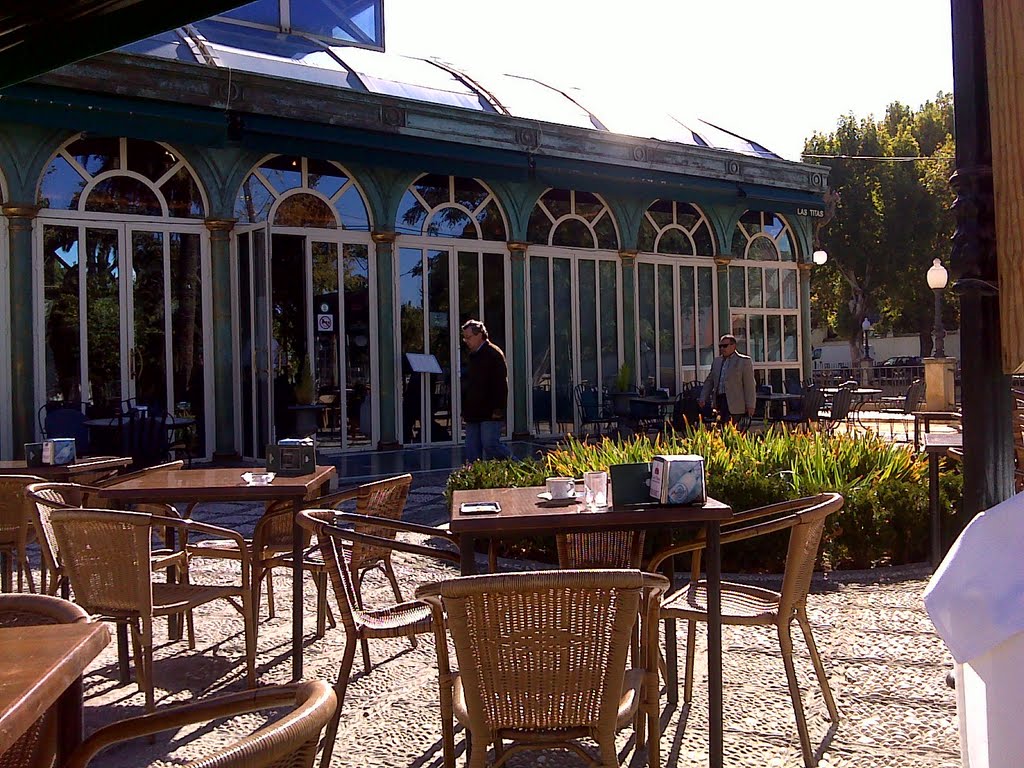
976, 597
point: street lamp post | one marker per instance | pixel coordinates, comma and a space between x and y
865, 327
937, 277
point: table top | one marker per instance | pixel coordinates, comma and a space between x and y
65, 471
940, 442
522, 510
220, 484
937, 415
172, 422
778, 396
49, 659
859, 391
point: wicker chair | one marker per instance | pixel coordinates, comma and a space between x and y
542, 660
271, 547
749, 605
108, 559
400, 620
16, 531
288, 742
600, 549
37, 747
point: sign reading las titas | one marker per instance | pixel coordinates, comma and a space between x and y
814, 213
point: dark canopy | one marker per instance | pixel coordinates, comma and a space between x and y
42, 36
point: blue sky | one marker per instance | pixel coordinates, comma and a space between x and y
774, 72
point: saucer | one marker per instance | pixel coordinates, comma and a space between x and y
545, 496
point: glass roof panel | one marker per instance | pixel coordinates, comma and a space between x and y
525, 97
410, 78
259, 12
167, 45
330, 18
722, 139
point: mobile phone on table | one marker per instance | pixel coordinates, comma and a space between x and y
480, 508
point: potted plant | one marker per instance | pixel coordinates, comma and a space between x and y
624, 390
306, 409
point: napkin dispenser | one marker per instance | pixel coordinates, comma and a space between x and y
678, 480
291, 458
60, 450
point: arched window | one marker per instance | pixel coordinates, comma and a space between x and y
677, 229
764, 296
572, 219
302, 192
123, 267
119, 175
450, 206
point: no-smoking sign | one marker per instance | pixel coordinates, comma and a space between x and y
325, 323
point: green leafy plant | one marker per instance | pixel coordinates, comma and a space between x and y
304, 388
624, 378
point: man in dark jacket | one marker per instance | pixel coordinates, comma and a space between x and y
484, 395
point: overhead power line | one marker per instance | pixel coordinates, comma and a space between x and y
936, 159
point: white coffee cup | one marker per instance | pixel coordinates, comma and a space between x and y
561, 487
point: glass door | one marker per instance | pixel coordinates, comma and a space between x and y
427, 327
123, 318
254, 402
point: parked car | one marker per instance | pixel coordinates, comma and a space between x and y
897, 368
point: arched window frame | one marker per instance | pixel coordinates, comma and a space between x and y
573, 215
753, 325
154, 186
661, 231
280, 195
434, 211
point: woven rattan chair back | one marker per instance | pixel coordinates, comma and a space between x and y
273, 532
37, 747
600, 549
382, 498
43, 499
16, 529
543, 651
804, 540
106, 555
337, 560
289, 741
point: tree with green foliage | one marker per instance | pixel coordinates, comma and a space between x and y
892, 217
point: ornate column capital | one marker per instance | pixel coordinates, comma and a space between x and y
723, 261
517, 249
20, 215
383, 237
805, 266
628, 256
220, 228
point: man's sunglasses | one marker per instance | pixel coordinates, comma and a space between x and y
723, 346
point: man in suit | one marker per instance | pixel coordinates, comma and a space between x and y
730, 383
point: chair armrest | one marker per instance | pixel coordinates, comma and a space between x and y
328, 501
320, 528
193, 526
307, 696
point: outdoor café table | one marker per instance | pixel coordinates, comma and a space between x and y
936, 445
63, 473
927, 417
226, 484
42, 665
524, 513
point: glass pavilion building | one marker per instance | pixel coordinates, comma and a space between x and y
197, 219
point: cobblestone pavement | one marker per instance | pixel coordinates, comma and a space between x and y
886, 665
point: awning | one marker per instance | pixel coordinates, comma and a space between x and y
40, 37
795, 202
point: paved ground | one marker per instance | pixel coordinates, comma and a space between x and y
886, 666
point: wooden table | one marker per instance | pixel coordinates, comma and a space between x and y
62, 473
523, 513
226, 484
44, 664
936, 445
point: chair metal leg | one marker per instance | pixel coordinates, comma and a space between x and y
122, 654
5, 572
691, 652
786, 645
819, 668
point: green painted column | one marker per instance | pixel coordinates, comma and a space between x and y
807, 362
23, 401
387, 378
630, 339
519, 380
724, 315
223, 410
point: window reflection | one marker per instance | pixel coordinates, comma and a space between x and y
450, 206
590, 226
675, 228
278, 176
61, 320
